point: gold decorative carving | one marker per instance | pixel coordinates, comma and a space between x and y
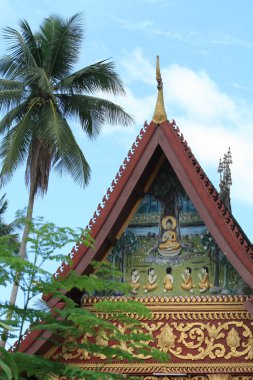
166, 339
201, 341
208, 340
69, 352
233, 340
194, 368
166, 378
123, 345
189, 316
184, 340
211, 376
171, 377
213, 300
250, 352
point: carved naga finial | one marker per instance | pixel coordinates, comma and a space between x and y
160, 113
225, 178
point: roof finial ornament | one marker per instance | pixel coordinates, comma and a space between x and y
160, 113
225, 178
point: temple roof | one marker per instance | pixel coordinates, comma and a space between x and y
162, 138
156, 142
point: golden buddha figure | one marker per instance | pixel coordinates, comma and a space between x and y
169, 245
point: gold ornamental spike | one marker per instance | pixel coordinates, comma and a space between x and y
160, 113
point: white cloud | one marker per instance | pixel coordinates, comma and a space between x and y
138, 68
197, 94
193, 37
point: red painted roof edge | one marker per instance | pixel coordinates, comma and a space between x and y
38, 336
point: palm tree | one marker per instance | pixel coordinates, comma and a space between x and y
8, 231
40, 94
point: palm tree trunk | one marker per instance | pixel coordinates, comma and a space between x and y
22, 253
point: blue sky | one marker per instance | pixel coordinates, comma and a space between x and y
206, 51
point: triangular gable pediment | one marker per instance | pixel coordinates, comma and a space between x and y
154, 144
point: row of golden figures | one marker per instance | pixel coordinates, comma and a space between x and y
168, 282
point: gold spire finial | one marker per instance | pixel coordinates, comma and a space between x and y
160, 113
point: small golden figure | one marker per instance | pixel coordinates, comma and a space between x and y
187, 280
204, 283
168, 280
134, 280
151, 285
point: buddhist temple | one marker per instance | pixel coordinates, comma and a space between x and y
168, 230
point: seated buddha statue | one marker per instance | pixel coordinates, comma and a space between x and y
169, 244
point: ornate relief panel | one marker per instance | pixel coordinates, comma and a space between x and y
201, 335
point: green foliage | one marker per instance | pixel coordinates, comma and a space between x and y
67, 321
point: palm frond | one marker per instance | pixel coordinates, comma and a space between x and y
72, 162
7, 67
31, 41
60, 41
19, 53
14, 116
3, 206
41, 305
15, 145
100, 76
37, 79
7, 84
93, 112
67, 155
13, 158
10, 98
